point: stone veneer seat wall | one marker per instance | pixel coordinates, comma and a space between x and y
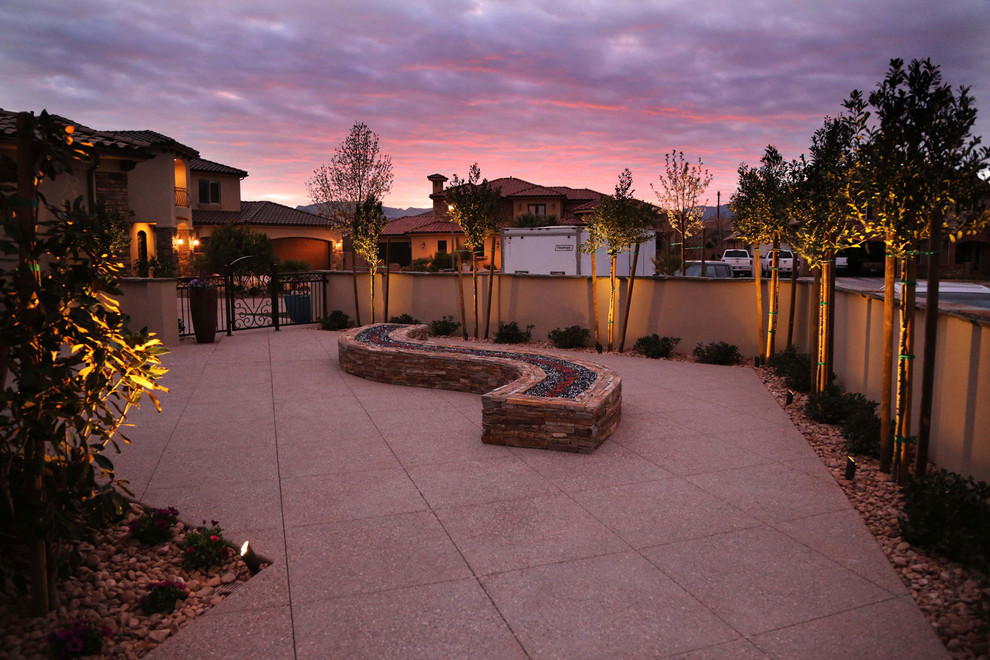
510, 416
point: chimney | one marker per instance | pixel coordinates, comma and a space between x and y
438, 196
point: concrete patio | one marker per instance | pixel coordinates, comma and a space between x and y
705, 527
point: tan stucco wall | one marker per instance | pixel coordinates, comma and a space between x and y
151, 303
704, 311
151, 191
230, 191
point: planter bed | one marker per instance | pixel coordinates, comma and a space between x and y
528, 399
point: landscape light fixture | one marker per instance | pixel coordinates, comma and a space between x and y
850, 468
790, 398
250, 559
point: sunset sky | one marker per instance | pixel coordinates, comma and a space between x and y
558, 92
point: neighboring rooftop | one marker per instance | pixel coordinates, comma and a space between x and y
262, 213
203, 165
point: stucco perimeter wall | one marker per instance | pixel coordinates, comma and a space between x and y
151, 304
704, 311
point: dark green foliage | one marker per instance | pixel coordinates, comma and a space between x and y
231, 242
793, 367
293, 266
655, 346
155, 526
572, 337
205, 547
511, 333
405, 319
337, 320
717, 352
949, 514
861, 426
830, 406
533, 220
162, 596
444, 327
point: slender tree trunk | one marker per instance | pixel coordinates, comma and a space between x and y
354, 277
905, 373
474, 295
455, 258
683, 250
814, 326
594, 300
371, 276
790, 312
611, 304
386, 277
830, 318
886, 374
491, 287
26, 219
825, 308
629, 295
931, 343
759, 301
774, 298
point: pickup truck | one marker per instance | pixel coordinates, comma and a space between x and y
784, 262
739, 260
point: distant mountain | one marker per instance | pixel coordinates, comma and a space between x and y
718, 211
390, 213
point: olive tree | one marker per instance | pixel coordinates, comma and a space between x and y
682, 187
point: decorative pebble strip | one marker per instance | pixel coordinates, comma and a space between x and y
528, 399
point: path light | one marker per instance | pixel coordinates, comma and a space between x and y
850, 468
250, 559
790, 398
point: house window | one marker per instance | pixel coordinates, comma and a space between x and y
538, 209
442, 247
209, 192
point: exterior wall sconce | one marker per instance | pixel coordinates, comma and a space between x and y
195, 242
179, 241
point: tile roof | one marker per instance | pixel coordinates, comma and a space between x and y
102, 140
203, 165
265, 214
156, 139
576, 194
420, 224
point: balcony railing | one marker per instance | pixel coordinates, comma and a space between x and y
182, 197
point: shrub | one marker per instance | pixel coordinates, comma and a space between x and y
793, 367
717, 352
162, 596
80, 638
655, 346
949, 514
420, 265
444, 327
830, 406
861, 427
337, 320
155, 526
205, 547
572, 337
511, 333
294, 266
404, 319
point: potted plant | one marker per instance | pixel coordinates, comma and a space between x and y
203, 309
298, 303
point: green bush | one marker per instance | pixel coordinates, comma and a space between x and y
155, 526
861, 427
205, 547
949, 514
830, 406
793, 367
420, 265
717, 352
511, 333
337, 320
444, 327
404, 319
294, 266
572, 337
655, 346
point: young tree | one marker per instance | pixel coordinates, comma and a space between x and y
921, 161
682, 186
473, 205
356, 171
822, 199
366, 232
229, 243
620, 222
78, 369
762, 204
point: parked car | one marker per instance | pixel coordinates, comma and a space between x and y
740, 261
785, 262
714, 269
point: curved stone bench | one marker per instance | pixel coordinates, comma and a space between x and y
528, 399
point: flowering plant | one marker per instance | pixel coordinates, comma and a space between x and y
205, 547
80, 638
163, 596
201, 283
155, 526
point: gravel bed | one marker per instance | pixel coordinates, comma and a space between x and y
954, 599
106, 589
